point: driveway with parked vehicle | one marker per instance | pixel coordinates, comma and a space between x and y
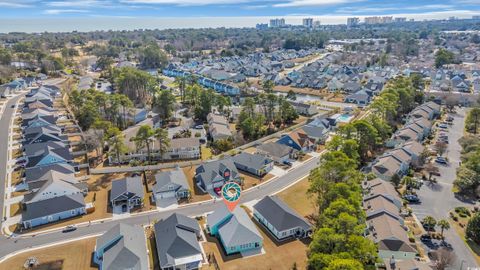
438, 199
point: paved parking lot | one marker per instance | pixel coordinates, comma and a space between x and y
438, 199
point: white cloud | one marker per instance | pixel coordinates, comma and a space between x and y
187, 2
254, 7
303, 3
16, 4
367, 9
62, 11
77, 3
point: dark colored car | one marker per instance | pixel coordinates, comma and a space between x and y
411, 198
426, 238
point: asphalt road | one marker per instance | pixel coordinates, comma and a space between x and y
438, 199
10, 245
4, 128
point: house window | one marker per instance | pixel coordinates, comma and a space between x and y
73, 212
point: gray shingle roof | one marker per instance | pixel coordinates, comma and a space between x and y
175, 178
255, 161
239, 230
176, 237
212, 170
128, 252
130, 185
33, 174
280, 215
53, 206
275, 149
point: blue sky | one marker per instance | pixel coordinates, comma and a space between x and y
200, 13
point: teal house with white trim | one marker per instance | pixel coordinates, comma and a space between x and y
235, 230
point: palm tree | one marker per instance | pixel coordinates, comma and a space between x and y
126, 104
444, 225
143, 138
163, 141
181, 82
429, 223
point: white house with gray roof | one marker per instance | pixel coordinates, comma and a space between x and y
53, 209
177, 244
256, 164
281, 220
279, 153
171, 184
123, 247
127, 193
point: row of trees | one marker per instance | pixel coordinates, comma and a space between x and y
468, 174
92, 105
338, 241
275, 111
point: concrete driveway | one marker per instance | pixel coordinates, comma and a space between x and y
438, 199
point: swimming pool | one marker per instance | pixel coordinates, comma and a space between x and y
344, 118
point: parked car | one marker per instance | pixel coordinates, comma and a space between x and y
425, 238
217, 190
443, 126
287, 162
69, 228
411, 198
198, 127
441, 160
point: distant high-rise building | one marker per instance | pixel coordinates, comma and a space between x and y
308, 22
476, 17
353, 21
378, 20
400, 19
277, 22
261, 26
316, 24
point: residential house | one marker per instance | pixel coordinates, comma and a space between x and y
281, 220
415, 150
361, 98
235, 230
255, 164
39, 121
53, 209
390, 235
318, 129
32, 149
183, 148
214, 174
177, 244
37, 173
412, 264
406, 134
303, 108
298, 140
352, 87
127, 193
279, 153
218, 127
137, 115
123, 247
53, 184
171, 184
379, 187
387, 166
44, 136
48, 156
